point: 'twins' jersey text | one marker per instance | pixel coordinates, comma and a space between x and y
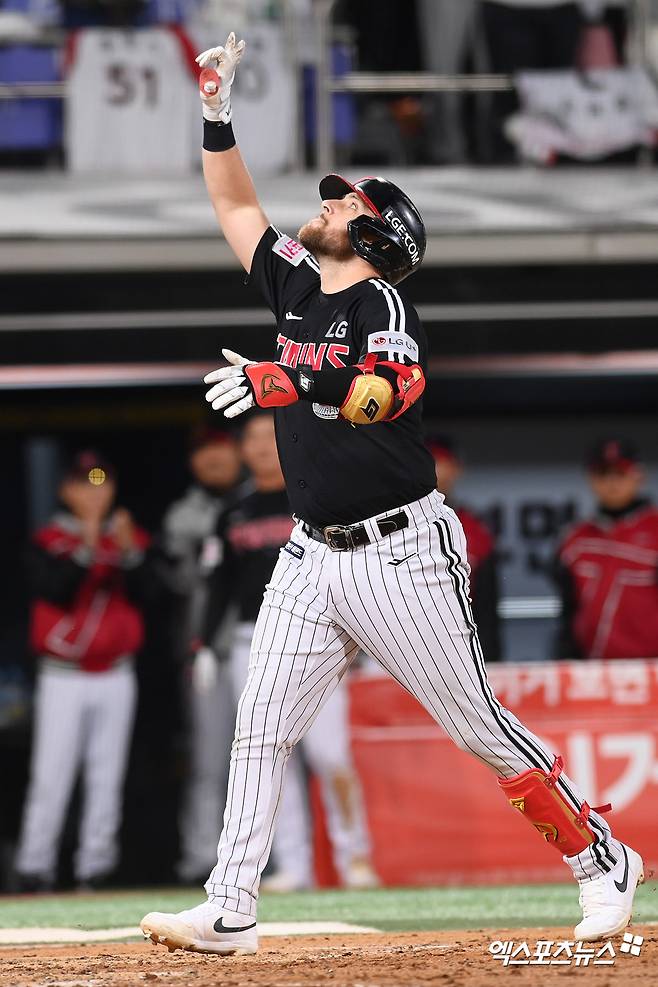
337, 473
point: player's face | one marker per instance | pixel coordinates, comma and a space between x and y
259, 450
326, 235
616, 489
447, 473
216, 465
87, 501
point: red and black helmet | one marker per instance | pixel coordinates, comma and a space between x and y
393, 240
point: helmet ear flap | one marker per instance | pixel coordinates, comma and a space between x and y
376, 243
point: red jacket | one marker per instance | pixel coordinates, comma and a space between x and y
612, 596
480, 548
83, 613
479, 542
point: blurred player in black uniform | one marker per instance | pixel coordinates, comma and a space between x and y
191, 548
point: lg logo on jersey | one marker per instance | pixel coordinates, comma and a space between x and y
399, 227
337, 330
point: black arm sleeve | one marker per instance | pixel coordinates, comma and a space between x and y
331, 386
52, 577
485, 608
566, 647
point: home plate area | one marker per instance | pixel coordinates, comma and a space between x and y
339, 958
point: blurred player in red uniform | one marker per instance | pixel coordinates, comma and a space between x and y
480, 546
91, 573
608, 565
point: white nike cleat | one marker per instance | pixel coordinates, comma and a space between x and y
207, 928
607, 901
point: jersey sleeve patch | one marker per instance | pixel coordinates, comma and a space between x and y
396, 345
290, 250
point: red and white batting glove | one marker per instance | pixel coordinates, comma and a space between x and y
244, 384
219, 65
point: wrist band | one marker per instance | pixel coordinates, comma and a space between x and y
217, 136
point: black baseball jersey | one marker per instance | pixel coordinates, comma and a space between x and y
251, 531
337, 473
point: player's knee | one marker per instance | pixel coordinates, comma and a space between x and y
254, 736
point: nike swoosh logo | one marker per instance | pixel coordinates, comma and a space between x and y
290, 316
400, 561
220, 927
623, 884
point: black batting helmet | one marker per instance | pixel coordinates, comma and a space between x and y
393, 240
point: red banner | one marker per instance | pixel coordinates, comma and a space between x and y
437, 815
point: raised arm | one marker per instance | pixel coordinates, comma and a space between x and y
229, 184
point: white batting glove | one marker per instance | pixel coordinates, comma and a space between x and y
232, 391
224, 60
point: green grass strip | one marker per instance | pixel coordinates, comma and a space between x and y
394, 909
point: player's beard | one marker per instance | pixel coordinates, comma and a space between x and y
322, 242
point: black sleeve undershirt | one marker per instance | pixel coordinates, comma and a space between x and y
333, 385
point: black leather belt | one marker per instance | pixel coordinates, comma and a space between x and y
345, 538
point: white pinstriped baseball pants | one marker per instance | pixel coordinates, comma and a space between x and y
414, 618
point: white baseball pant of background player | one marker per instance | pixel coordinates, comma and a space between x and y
211, 711
326, 749
404, 600
82, 720
189, 532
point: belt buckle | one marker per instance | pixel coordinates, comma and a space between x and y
335, 529
329, 532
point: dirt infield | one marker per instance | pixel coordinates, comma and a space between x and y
414, 959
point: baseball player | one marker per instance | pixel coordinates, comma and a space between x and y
376, 560
480, 545
191, 548
608, 564
91, 573
251, 531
